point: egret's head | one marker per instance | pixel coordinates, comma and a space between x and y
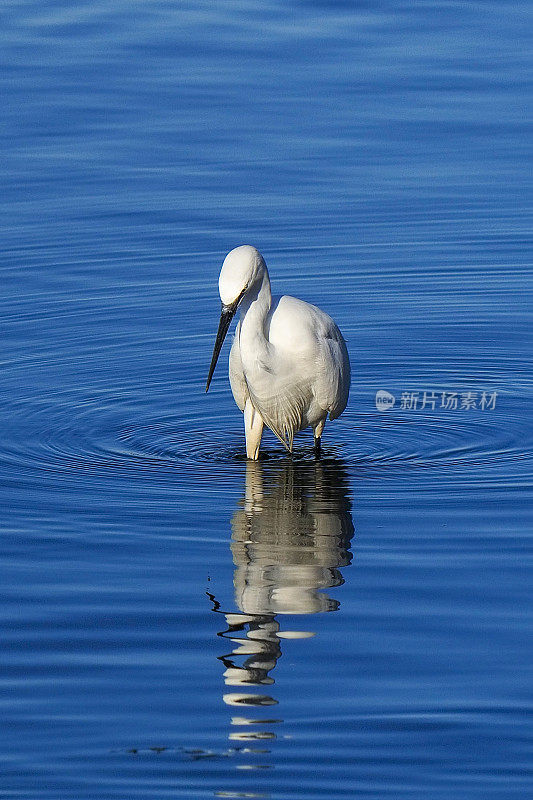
242, 268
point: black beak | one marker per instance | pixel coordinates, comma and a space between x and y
227, 314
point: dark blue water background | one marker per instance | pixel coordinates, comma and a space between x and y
176, 622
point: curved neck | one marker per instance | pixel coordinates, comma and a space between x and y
253, 310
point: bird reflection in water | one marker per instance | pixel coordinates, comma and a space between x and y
290, 537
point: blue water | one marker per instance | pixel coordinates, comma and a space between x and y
175, 621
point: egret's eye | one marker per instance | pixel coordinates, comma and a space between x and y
233, 306
238, 300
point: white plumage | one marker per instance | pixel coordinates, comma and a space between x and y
288, 365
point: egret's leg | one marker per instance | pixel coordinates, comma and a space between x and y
253, 429
318, 433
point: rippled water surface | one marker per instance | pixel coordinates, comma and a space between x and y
175, 621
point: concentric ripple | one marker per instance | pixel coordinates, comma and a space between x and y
120, 435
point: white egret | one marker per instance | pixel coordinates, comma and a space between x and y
288, 365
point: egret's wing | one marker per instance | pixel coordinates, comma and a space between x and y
314, 345
333, 372
236, 373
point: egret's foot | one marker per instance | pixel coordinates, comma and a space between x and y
317, 448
